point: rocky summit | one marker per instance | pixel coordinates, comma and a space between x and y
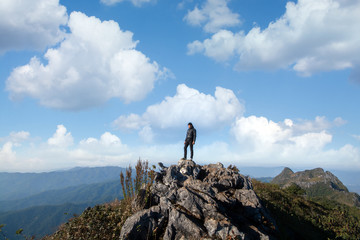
189, 201
318, 183
308, 178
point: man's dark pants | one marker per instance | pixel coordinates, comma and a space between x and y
187, 143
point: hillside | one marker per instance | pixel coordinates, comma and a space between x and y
318, 184
286, 213
21, 185
48, 209
39, 221
299, 218
98, 193
185, 201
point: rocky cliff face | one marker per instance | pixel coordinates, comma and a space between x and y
189, 201
306, 179
318, 183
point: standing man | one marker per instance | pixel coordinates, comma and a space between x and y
190, 140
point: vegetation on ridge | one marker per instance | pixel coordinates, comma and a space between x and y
104, 222
296, 216
300, 218
318, 184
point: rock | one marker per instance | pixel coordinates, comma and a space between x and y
189, 201
318, 183
143, 223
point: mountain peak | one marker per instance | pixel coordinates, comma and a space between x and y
189, 201
287, 171
318, 183
307, 178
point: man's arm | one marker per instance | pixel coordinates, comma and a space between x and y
194, 136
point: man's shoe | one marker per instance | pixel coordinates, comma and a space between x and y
183, 159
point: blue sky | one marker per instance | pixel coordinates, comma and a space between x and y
104, 82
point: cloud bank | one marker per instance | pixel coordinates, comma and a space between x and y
97, 61
61, 152
292, 144
258, 142
31, 25
311, 37
187, 105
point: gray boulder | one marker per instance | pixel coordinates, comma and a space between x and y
189, 201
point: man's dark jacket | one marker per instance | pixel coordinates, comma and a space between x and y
191, 135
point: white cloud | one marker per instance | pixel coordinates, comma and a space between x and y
137, 3
19, 136
61, 138
188, 104
320, 123
263, 134
312, 36
221, 46
213, 16
16, 137
263, 142
32, 24
260, 142
146, 134
60, 152
259, 132
96, 61
131, 122
6, 153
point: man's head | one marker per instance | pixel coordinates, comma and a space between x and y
190, 125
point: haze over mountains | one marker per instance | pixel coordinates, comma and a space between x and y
21, 185
26, 199
46, 200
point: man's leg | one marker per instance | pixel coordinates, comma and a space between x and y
185, 149
191, 150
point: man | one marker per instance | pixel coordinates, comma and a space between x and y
190, 140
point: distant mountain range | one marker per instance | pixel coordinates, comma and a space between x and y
21, 185
40, 202
318, 183
38, 221
86, 193
180, 213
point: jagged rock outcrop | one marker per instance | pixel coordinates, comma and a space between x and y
308, 178
189, 201
318, 183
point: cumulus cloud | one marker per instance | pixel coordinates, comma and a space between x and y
16, 137
137, 3
262, 133
259, 142
6, 153
31, 24
60, 152
221, 46
96, 61
311, 36
213, 16
289, 143
61, 138
186, 105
